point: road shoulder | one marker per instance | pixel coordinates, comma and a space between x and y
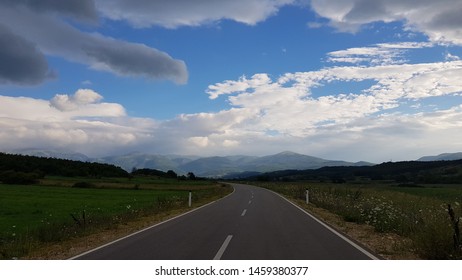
388, 246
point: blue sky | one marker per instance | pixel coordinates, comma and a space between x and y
341, 79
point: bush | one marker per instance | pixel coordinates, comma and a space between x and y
19, 178
83, 185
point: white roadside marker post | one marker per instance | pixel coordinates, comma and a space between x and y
190, 199
307, 196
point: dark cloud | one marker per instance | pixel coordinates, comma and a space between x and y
53, 36
21, 62
42, 23
451, 19
439, 20
80, 9
366, 10
134, 60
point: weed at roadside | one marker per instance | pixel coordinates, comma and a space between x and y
421, 218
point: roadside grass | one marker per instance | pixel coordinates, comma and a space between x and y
419, 214
54, 210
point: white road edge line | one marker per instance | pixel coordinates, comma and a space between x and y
148, 228
243, 212
223, 248
361, 249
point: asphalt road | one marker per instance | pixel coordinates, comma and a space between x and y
251, 223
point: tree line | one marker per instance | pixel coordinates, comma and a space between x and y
23, 169
406, 172
169, 174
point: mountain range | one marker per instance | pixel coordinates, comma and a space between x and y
202, 166
445, 156
222, 166
225, 166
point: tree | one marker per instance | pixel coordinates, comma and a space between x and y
191, 176
171, 174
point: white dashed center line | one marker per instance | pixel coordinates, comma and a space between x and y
223, 248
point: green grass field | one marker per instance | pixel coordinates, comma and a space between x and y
419, 213
54, 210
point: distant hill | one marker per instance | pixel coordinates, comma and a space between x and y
211, 166
216, 167
225, 166
15, 168
52, 154
404, 172
290, 160
139, 161
445, 156
241, 166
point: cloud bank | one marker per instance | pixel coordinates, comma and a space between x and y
439, 20
393, 112
396, 114
384, 120
79, 122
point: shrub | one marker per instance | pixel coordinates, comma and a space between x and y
83, 185
19, 178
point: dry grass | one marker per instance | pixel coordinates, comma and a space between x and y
388, 246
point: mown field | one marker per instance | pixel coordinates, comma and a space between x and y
419, 213
59, 208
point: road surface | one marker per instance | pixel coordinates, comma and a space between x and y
251, 223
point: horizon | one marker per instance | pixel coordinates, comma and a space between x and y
341, 80
56, 154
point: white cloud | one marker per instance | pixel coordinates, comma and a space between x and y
406, 45
380, 54
439, 20
285, 113
385, 137
387, 118
199, 141
87, 83
371, 55
314, 25
84, 124
85, 103
64, 102
241, 85
450, 57
175, 13
287, 104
